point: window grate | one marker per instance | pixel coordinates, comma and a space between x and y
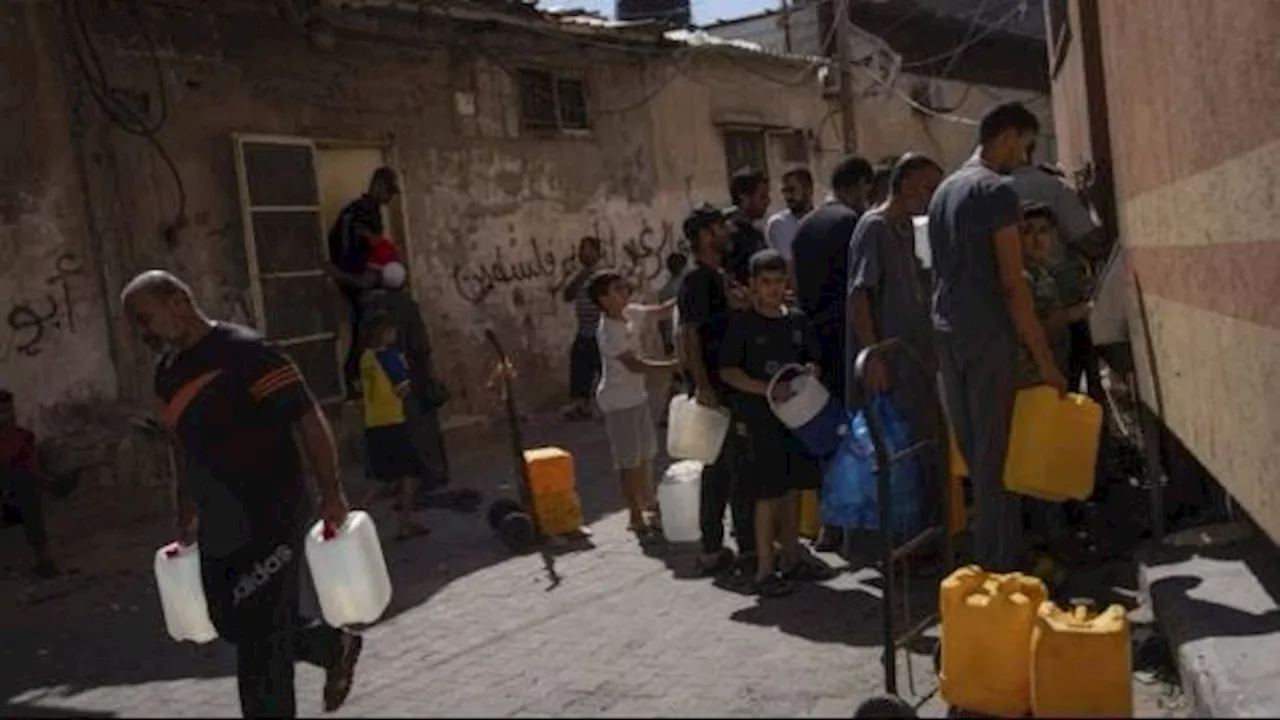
549, 101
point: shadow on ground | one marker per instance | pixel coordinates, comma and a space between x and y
70, 633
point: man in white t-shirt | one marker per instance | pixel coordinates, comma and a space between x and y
797, 193
622, 395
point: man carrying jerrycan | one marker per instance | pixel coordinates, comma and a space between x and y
982, 311
233, 403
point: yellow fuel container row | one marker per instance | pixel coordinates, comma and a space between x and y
1081, 663
987, 620
1007, 651
1053, 445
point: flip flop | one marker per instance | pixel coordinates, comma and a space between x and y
412, 531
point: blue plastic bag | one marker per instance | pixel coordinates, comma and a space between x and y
849, 479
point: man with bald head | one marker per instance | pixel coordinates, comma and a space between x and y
233, 404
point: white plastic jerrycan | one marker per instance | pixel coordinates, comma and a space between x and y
679, 498
349, 571
811, 414
695, 432
186, 611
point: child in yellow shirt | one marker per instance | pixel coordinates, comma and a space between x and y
384, 377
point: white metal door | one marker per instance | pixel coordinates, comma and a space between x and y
294, 302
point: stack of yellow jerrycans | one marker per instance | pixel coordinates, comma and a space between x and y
553, 490
1009, 652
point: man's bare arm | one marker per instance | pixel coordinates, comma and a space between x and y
185, 513
322, 454
571, 290
860, 320
692, 345
1008, 246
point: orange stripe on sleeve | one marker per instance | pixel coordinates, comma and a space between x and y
274, 381
178, 403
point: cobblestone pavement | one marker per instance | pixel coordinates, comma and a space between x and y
475, 632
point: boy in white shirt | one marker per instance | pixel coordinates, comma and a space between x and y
622, 395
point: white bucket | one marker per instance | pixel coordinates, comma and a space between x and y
808, 400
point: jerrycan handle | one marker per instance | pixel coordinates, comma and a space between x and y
174, 550
773, 382
328, 532
1080, 608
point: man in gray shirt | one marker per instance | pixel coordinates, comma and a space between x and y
982, 310
888, 299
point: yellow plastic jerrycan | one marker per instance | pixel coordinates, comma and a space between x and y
550, 471
552, 490
986, 640
558, 513
1053, 445
1081, 664
809, 524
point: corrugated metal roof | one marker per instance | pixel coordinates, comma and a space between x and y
578, 22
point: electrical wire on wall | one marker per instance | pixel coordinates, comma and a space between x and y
115, 104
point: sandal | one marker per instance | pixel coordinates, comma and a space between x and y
338, 679
773, 586
646, 535
412, 530
723, 562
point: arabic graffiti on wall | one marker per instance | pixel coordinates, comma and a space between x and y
32, 320
641, 257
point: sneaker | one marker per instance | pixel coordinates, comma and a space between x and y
339, 678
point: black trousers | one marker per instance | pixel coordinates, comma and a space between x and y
254, 598
351, 365
22, 503
428, 440
722, 488
1084, 361
584, 365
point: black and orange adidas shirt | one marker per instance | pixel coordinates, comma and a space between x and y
232, 401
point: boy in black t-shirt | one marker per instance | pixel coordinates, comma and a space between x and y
772, 462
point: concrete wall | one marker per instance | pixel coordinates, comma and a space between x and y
54, 350
1191, 88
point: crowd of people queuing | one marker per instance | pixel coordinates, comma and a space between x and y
1002, 306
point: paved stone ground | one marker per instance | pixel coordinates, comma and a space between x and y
475, 632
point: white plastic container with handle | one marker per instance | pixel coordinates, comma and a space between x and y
349, 571
679, 501
695, 432
182, 598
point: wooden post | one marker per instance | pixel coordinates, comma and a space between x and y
786, 26
840, 16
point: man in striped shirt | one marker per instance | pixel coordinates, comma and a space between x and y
584, 355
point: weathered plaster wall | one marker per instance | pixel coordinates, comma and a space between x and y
54, 352
1191, 87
